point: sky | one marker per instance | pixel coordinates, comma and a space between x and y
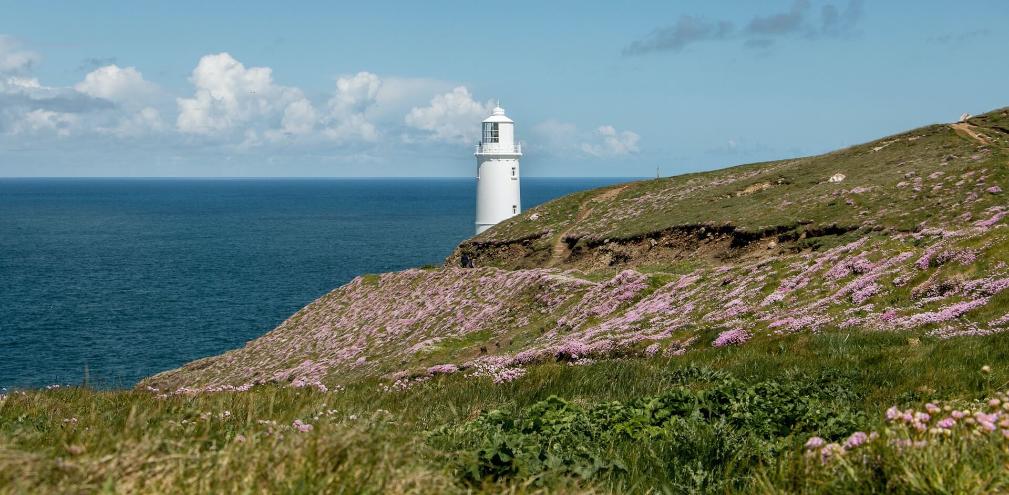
370, 89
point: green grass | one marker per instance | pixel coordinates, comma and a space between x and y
367, 441
798, 198
449, 349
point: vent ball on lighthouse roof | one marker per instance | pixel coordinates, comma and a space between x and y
498, 115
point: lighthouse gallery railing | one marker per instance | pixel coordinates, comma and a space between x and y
498, 148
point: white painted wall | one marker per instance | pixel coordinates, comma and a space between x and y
497, 187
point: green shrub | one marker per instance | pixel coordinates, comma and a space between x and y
706, 432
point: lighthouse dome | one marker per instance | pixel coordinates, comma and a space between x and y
498, 115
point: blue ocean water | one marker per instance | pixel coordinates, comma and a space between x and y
128, 277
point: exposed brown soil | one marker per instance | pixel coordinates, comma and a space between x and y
713, 243
562, 246
522, 252
754, 188
966, 130
717, 243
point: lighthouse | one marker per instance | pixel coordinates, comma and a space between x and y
497, 171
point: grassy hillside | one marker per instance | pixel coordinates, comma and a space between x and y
927, 257
896, 184
759, 329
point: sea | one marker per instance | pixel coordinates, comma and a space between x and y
106, 281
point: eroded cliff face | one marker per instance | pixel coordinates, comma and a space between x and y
912, 238
704, 244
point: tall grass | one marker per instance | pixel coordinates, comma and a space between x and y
363, 440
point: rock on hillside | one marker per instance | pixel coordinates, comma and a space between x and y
911, 241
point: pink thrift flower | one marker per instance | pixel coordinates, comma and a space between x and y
509, 375
946, 423
855, 440
985, 224
302, 427
815, 443
830, 450
443, 369
735, 336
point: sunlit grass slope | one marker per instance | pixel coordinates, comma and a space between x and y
707, 421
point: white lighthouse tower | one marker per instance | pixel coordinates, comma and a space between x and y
497, 171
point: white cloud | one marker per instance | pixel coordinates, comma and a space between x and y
397, 95
355, 96
30, 92
145, 121
28, 107
132, 94
114, 83
13, 58
451, 117
364, 105
605, 141
39, 120
235, 107
609, 142
230, 97
110, 100
299, 117
19, 84
352, 127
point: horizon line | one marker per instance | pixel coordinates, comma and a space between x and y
223, 177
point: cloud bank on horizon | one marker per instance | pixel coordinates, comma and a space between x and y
240, 108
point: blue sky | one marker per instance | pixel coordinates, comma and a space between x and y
398, 89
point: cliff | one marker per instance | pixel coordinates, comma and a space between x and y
901, 234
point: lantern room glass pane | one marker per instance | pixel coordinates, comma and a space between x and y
490, 132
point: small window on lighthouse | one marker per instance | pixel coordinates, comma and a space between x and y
515, 209
513, 171
490, 132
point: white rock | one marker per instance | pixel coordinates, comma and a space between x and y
965, 116
534, 217
836, 178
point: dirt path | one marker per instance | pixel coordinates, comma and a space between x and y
965, 128
560, 248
